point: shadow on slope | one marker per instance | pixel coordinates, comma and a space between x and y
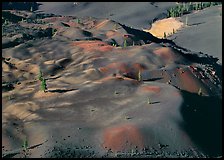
195, 57
20, 6
203, 121
145, 36
62, 90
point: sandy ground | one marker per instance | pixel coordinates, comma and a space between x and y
166, 26
148, 98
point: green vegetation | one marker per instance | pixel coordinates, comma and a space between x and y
125, 43
7, 59
40, 75
199, 92
149, 101
115, 27
139, 76
164, 35
115, 92
78, 20
132, 152
25, 144
43, 86
186, 8
54, 32
25, 147
186, 20
127, 117
10, 97
6, 22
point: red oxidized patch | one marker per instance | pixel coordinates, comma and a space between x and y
120, 137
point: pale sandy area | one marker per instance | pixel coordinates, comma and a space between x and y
167, 26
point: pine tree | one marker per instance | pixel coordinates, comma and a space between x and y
125, 43
40, 75
115, 27
149, 101
43, 86
199, 92
25, 144
164, 34
139, 76
186, 21
78, 20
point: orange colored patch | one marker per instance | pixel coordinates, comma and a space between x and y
72, 24
101, 24
103, 69
122, 67
119, 78
189, 82
164, 53
114, 65
138, 67
110, 33
176, 93
41, 94
131, 70
155, 89
108, 78
54, 19
93, 46
122, 137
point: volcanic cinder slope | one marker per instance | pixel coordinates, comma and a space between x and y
112, 91
203, 32
133, 14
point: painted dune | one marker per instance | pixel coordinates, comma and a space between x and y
111, 90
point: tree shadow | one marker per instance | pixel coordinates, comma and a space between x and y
203, 121
153, 79
154, 102
195, 24
145, 36
61, 90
